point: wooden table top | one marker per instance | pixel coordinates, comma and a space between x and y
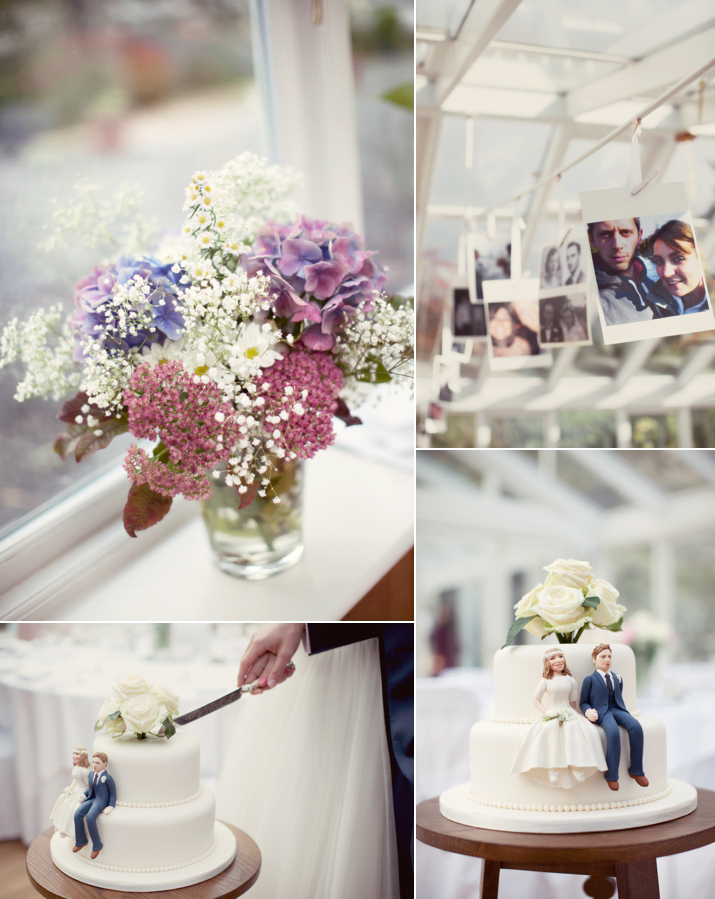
237, 879
636, 844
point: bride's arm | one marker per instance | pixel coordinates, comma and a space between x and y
540, 690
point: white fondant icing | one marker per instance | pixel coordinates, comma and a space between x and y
163, 831
501, 800
152, 770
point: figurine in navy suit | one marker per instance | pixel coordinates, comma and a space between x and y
101, 799
602, 703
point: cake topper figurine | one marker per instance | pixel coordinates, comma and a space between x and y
561, 748
602, 703
62, 815
100, 798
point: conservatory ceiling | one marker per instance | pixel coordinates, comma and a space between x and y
510, 91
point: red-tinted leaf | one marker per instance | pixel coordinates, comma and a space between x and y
72, 408
247, 498
90, 442
66, 442
144, 508
343, 413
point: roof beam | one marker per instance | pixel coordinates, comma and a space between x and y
524, 477
621, 476
697, 362
480, 25
634, 359
700, 461
647, 76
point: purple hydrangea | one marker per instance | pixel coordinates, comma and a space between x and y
320, 272
97, 317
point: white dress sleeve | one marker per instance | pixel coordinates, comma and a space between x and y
573, 695
541, 689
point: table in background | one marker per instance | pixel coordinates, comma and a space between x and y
628, 855
237, 879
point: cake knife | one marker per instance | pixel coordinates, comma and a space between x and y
219, 703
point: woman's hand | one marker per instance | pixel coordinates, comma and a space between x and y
268, 654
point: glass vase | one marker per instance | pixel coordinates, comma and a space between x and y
266, 537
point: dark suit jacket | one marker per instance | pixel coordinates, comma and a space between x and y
398, 693
594, 694
104, 793
556, 335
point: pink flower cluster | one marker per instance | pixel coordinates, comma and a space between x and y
197, 429
301, 397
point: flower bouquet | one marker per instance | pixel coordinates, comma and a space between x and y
231, 350
139, 708
567, 603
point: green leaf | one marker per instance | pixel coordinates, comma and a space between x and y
374, 372
403, 95
169, 729
144, 508
518, 624
616, 626
591, 602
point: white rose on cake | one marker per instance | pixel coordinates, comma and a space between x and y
562, 609
165, 696
116, 727
569, 573
609, 611
110, 706
131, 685
527, 606
142, 714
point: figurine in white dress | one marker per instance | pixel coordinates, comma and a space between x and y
68, 801
560, 749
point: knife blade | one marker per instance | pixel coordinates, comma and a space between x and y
214, 705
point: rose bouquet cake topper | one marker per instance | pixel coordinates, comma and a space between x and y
569, 601
139, 708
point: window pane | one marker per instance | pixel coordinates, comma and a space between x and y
382, 41
144, 93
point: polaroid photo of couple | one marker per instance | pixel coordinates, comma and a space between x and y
513, 313
563, 307
646, 263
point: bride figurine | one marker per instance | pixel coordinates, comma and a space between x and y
62, 815
561, 748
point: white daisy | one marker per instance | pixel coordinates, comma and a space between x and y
254, 350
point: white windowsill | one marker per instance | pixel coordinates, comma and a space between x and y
358, 523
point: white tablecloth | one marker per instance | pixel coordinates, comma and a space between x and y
50, 692
447, 706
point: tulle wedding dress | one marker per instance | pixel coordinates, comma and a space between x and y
308, 777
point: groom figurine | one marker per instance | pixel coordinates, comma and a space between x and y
101, 797
602, 703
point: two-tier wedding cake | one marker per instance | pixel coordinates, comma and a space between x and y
567, 750
162, 831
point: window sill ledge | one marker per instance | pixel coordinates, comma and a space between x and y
358, 523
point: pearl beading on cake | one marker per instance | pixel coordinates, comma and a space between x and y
162, 804
157, 870
582, 807
497, 720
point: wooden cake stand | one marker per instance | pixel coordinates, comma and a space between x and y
628, 855
236, 880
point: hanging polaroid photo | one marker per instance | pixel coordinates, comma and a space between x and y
436, 421
468, 319
646, 263
563, 319
563, 265
513, 311
488, 259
